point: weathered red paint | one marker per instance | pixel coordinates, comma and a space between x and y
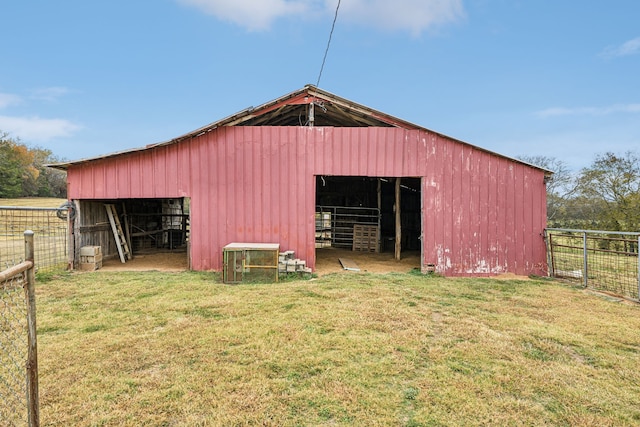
483, 213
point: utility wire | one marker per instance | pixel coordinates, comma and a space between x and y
328, 43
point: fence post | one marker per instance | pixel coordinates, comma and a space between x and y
638, 256
32, 361
71, 240
547, 244
585, 270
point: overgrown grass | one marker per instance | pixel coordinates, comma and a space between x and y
130, 349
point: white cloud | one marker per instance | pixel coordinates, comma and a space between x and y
36, 128
42, 94
630, 47
49, 93
252, 14
413, 16
590, 111
7, 99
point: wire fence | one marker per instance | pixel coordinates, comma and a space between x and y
602, 260
51, 228
18, 348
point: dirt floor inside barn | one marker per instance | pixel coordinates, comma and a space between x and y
327, 261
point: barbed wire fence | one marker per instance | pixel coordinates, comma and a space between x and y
19, 400
51, 227
602, 260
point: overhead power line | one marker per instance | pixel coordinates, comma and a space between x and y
328, 44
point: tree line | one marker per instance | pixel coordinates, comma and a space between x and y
603, 196
23, 172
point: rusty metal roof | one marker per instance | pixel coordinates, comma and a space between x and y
309, 106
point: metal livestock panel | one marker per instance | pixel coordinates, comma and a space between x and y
482, 213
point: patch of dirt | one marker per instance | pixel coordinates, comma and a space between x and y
509, 276
158, 261
328, 261
613, 297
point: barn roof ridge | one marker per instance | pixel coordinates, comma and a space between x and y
288, 108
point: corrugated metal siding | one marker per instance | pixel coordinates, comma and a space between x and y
483, 214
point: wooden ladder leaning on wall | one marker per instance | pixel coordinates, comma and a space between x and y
116, 227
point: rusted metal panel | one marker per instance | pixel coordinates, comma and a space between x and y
482, 213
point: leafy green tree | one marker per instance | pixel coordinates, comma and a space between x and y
10, 182
578, 212
16, 167
50, 182
561, 186
613, 183
23, 172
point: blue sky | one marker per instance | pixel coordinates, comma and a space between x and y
545, 77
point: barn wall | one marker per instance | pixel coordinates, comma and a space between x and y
483, 214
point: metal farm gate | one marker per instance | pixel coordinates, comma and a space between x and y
602, 260
51, 226
338, 227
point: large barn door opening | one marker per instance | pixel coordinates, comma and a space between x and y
156, 231
360, 214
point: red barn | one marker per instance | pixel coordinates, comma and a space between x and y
311, 169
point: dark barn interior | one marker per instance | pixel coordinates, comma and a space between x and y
158, 224
345, 206
147, 226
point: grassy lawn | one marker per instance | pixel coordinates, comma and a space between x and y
182, 349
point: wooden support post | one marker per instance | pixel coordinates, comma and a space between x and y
33, 399
127, 233
398, 222
71, 244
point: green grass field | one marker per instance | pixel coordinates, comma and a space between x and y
182, 349
34, 202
